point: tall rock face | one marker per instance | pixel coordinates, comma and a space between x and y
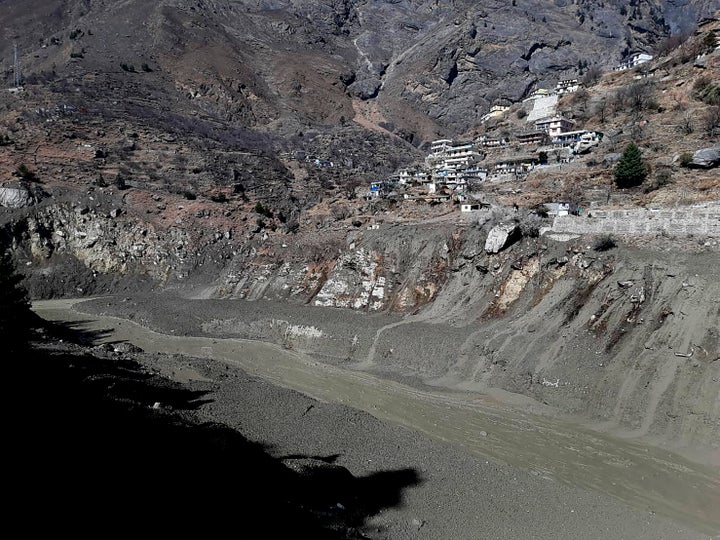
682, 15
423, 67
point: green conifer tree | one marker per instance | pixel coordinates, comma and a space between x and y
630, 170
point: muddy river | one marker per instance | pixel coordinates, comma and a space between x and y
643, 476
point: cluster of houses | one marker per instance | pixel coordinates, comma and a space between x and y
452, 166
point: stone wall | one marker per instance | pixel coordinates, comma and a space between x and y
683, 221
543, 107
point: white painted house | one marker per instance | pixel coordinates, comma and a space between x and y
554, 125
633, 60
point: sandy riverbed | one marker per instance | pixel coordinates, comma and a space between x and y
548, 464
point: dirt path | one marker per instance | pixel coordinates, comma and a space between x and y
642, 476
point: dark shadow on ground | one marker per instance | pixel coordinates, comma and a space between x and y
95, 451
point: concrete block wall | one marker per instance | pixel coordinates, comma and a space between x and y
674, 222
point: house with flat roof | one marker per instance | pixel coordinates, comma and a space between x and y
554, 125
580, 139
531, 137
633, 60
561, 208
567, 86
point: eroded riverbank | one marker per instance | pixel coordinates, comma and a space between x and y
645, 477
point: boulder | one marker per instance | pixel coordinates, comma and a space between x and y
126, 348
15, 197
365, 88
707, 158
501, 236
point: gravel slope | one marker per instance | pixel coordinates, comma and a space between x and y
394, 483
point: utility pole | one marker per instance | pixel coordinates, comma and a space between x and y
16, 66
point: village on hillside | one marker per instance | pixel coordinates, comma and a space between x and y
455, 168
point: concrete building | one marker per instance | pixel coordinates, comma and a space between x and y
496, 111
633, 60
453, 163
562, 208
554, 125
531, 137
568, 86
583, 137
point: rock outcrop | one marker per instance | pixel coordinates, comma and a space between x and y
501, 236
15, 197
707, 158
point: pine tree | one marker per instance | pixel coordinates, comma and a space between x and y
16, 318
630, 170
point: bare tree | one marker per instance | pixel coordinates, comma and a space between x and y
686, 125
601, 109
636, 97
712, 121
592, 76
351, 185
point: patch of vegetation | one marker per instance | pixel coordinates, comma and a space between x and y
671, 43
706, 91
541, 210
263, 210
604, 242
636, 97
712, 121
219, 197
662, 178
129, 68
521, 113
146, 68
5, 140
189, 195
26, 174
685, 159
630, 170
120, 183
708, 42
530, 227
592, 76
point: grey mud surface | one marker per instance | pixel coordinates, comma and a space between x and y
487, 471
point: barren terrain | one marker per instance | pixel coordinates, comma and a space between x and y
457, 491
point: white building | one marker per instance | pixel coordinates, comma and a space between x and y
453, 162
567, 86
633, 60
496, 111
554, 125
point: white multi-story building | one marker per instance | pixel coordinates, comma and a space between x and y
568, 86
633, 60
554, 125
453, 162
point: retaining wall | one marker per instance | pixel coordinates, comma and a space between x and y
675, 222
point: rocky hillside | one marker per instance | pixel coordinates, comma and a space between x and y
215, 148
415, 68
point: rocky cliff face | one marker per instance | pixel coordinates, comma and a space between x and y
425, 66
627, 338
